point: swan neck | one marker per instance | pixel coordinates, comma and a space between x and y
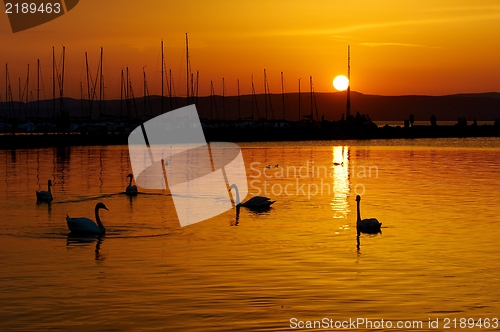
130, 183
359, 214
98, 220
237, 194
49, 185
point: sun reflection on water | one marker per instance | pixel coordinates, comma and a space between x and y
340, 181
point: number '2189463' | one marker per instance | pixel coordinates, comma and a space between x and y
32, 8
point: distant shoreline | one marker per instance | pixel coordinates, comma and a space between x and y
271, 106
325, 130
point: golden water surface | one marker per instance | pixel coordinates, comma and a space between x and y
437, 256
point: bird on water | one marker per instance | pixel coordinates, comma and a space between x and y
131, 189
370, 226
43, 196
256, 202
86, 226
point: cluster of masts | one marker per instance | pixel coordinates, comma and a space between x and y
92, 94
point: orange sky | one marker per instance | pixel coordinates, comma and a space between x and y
397, 47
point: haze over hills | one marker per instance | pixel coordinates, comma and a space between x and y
481, 106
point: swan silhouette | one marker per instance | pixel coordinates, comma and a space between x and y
84, 225
131, 190
44, 196
370, 226
256, 202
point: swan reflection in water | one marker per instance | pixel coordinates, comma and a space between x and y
358, 242
255, 211
76, 240
236, 221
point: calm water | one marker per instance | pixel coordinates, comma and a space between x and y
437, 256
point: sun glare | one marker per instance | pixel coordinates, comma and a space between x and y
341, 83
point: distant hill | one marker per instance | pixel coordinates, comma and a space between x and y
482, 106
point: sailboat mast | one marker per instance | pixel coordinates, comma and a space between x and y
253, 90
348, 111
239, 108
6, 88
62, 81
6, 82
254, 97
88, 84
19, 97
53, 82
265, 91
26, 90
223, 101
283, 96
101, 84
103, 96
197, 81
11, 107
82, 104
187, 70
144, 87
38, 89
311, 90
215, 101
211, 99
192, 86
121, 94
127, 101
162, 78
299, 99
315, 105
170, 88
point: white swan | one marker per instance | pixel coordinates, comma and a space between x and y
370, 226
84, 225
44, 196
131, 190
256, 202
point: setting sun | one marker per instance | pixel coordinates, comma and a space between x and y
341, 82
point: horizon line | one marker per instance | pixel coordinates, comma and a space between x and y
257, 94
